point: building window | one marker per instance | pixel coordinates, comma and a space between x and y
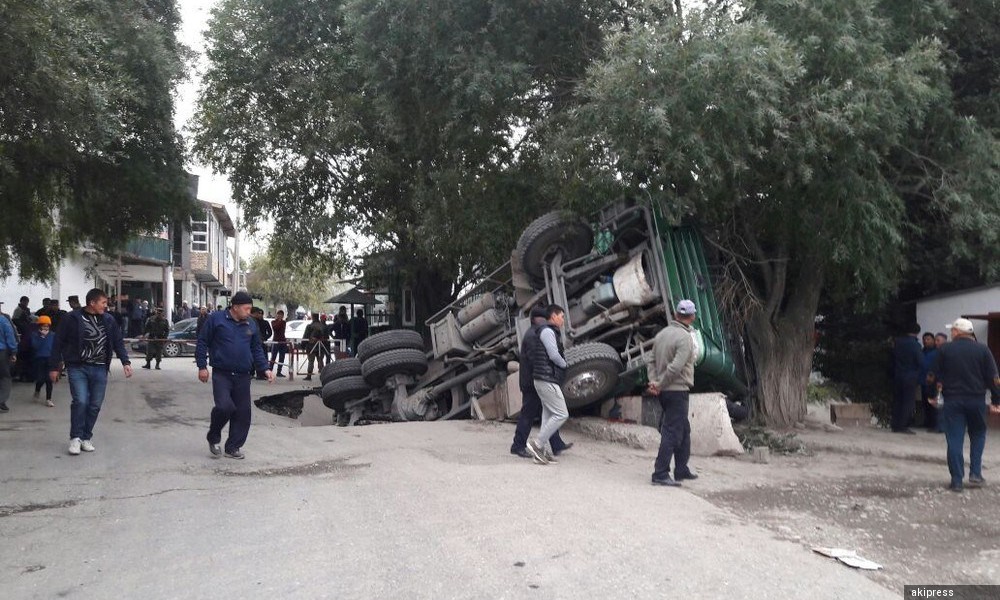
199, 234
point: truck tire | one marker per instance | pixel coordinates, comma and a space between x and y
340, 368
550, 233
344, 389
402, 361
389, 340
591, 374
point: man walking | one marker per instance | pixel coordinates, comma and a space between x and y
232, 340
548, 370
671, 378
84, 342
8, 356
156, 331
280, 345
907, 362
531, 404
964, 369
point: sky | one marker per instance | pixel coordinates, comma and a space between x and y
211, 186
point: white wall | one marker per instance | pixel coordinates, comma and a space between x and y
71, 279
936, 312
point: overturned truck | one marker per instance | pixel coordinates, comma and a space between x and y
618, 280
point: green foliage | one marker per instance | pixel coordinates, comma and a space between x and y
414, 127
285, 279
754, 436
88, 150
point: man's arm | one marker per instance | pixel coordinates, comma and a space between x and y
201, 347
548, 339
118, 340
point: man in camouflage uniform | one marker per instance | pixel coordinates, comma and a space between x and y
156, 331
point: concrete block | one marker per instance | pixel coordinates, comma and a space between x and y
711, 430
850, 414
513, 396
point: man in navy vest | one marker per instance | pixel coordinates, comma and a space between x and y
531, 404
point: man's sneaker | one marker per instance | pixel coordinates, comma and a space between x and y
157, 367
955, 487
49, 403
145, 366
279, 375
536, 452
549, 458
688, 475
215, 449
237, 453
86, 446
3, 407
976, 481
74, 446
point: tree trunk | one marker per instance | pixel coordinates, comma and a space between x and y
431, 292
782, 344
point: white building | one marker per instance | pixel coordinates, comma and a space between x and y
178, 264
980, 305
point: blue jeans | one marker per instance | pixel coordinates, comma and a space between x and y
232, 405
86, 385
958, 413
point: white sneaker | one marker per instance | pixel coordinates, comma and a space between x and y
86, 446
74, 446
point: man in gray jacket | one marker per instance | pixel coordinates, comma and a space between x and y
670, 378
548, 370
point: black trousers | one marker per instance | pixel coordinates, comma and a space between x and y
531, 411
675, 435
904, 401
231, 392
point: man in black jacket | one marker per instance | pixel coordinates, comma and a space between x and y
964, 370
531, 404
84, 343
907, 362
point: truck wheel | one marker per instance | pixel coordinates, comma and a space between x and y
591, 373
549, 234
402, 361
340, 368
344, 389
389, 340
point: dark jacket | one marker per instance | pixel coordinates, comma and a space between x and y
265, 329
234, 346
156, 329
66, 346
907, 360
542, 368
42, 346
965, 367
525, 373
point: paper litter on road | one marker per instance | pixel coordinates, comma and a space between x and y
849, 558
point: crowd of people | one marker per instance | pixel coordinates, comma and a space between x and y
950, 377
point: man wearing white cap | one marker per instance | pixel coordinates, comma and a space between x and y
964, 370
670, 378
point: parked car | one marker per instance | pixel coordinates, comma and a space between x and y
182, 338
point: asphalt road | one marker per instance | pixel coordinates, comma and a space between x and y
421, 510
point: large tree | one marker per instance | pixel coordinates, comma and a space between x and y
778, 128
281, 278
88, 150
405, 126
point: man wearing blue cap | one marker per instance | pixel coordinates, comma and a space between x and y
670, 378
232, 339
